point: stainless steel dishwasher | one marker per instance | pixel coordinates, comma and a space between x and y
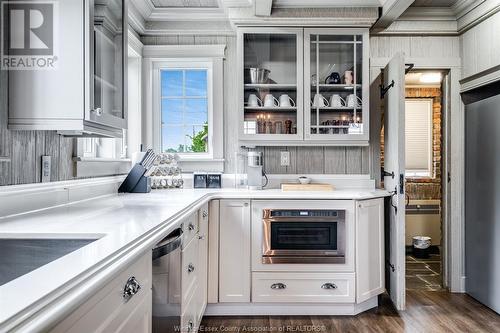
167, 283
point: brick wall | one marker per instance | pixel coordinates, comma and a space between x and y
426, 188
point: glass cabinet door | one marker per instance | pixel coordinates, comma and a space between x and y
336, 96
109, 47
272, 88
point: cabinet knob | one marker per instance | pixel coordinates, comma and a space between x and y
204, 214
191, 227
201, 237
97, 112
131, 288
329, 285
190, 268
278, 286
245, 204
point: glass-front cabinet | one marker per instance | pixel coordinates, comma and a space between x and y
272, 74
303, 86
336, 81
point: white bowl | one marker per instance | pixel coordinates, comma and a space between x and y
304, 180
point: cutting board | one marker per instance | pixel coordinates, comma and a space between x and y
306, 187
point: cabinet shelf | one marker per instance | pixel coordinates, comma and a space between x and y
270, 86
336, 86
335, 108
270, 109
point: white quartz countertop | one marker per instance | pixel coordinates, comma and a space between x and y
126, 226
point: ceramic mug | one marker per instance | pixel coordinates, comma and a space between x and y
254, 101
337, 101
348, 77
319, 101
353, 101
270, 101
286, 101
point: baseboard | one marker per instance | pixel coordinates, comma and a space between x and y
290, 309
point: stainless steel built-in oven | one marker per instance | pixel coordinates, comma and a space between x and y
297, 236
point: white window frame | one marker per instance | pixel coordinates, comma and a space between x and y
179, 64
429, 172
210, 57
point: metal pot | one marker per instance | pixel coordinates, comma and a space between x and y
258, 75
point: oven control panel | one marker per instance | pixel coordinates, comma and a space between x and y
306, 213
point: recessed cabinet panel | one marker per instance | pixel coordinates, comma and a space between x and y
271, 73
303, 85
336, 99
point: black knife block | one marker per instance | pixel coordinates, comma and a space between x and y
136, 182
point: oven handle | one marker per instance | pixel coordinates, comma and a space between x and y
301, 219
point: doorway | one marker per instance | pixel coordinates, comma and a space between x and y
424, 147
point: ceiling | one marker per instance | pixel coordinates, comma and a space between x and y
434, 3
185, 3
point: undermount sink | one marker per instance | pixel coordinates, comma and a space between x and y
19, 256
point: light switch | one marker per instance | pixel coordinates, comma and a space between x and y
285, 158
46, 169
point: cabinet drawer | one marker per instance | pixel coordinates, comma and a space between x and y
189, 319
303, 287
189, 271
190, 228
107, 308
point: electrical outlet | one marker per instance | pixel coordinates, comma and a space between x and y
46, 169
285, 158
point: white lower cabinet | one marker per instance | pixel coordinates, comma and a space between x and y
234, 251
109, 311
370, 260
303, 287
194, 271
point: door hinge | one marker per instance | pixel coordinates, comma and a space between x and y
408, 68
394, 193
386, 174
393, 269
401, 183
384, 89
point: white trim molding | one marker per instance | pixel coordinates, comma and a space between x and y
203, 56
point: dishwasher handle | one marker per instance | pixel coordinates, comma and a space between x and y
169, 244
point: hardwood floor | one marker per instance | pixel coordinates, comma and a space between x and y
427, 311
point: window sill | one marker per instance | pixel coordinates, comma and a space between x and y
97, 166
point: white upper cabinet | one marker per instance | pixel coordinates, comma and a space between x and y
303, 86
270, 75
336, 85
84, 92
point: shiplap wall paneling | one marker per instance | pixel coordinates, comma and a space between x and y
481, 46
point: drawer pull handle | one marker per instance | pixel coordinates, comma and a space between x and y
191, 227
278, 286
205, 214
329, 286
190, 268
131, 288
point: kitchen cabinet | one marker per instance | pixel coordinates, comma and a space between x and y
370, 274
270, 73
109, 311
303, 86
234, 251
194, 260
85, 92
336, 85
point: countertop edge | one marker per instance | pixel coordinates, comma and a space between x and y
48, 311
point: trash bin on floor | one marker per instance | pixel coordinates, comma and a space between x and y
421, 246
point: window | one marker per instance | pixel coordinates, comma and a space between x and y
418, 138
185, 99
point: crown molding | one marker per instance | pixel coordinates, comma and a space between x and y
144, 7
323, 3
331, 17
428, 14
474, 15
135, 19
187, 14
165, 28
184, 51
427, 27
